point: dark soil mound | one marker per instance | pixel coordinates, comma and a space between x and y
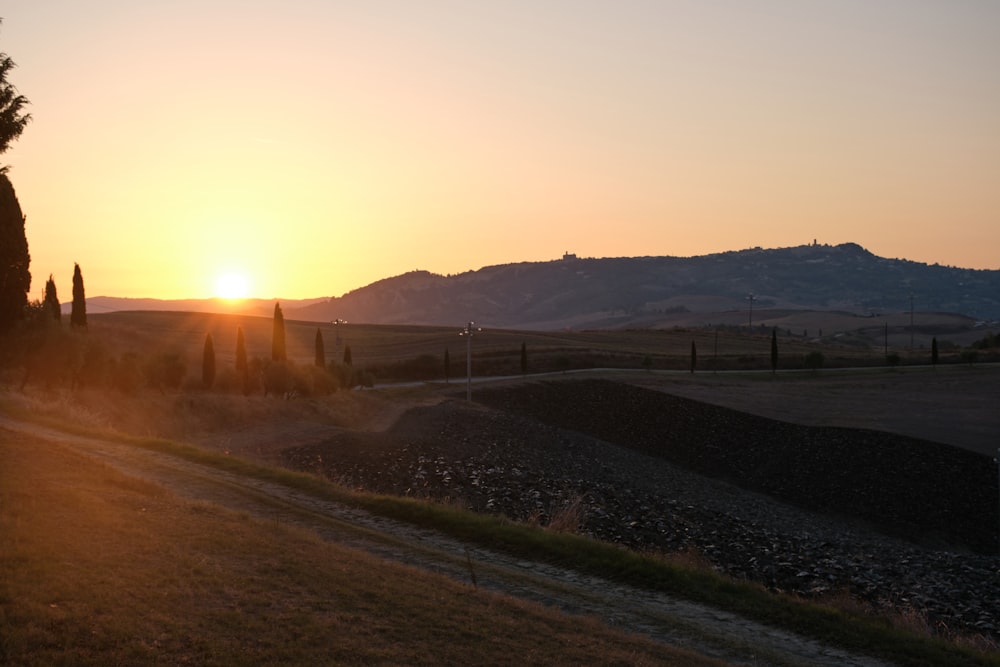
533, 460
923, 491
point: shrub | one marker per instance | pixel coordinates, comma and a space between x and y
813, 360
165, 371
125, 374
277, 379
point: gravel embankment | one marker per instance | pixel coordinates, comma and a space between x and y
625, 457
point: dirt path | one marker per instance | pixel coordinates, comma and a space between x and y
678, 622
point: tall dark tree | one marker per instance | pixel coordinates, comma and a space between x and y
51, 301
694, 356
348, 361
524, 358
15, 279
78, 314
447, 366
208, 363
934, 351
320, 351
12, 117
242, 368
774, 351
278, 336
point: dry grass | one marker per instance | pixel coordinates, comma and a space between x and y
99, 568
568, 518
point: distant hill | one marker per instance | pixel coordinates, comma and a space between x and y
257, 307
645, 291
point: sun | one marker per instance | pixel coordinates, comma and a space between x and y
232, 286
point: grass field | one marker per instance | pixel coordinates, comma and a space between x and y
396, 352
102, 568
99, 568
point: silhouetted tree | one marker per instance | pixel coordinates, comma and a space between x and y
51, 300
15, 279
320, 352
774, 351
447, 366
934, 351
12, 117
208, 363
348, 361
278, 335
78, 314
242, 369
694, 356
524, 358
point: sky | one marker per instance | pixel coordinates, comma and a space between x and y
305, 148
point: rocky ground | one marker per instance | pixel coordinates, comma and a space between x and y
896, 522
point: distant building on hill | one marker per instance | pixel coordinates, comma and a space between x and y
569, 255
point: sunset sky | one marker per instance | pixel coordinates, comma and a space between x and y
309, 148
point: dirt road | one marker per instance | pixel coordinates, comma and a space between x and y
673, 621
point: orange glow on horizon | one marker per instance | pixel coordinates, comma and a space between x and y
232, 286
319, 147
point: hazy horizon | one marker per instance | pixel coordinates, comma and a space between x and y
191, 150
237, 301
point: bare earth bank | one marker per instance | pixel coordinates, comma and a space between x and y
655, 471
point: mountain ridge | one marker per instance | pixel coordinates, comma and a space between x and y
641, 291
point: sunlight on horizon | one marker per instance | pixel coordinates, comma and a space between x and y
232, 286
333, 145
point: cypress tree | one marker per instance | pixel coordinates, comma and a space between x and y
242, 368
15, 279
320, 352
524, 358
51, 301
78, 314
348, 361
447, 366
208, 363
934, 351
278, 335
694, 356
774, 351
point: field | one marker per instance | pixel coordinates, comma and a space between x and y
398, 353
951, 404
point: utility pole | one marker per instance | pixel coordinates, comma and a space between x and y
996, 460
715, 355
911, 321
750, 298
469, 330
336, 327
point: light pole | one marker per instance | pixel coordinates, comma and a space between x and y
997, 461
336, 327
750, 298
469, 330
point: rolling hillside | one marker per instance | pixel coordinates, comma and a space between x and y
641, 291
651, 291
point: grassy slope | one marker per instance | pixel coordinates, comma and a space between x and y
859, 633
99, 568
